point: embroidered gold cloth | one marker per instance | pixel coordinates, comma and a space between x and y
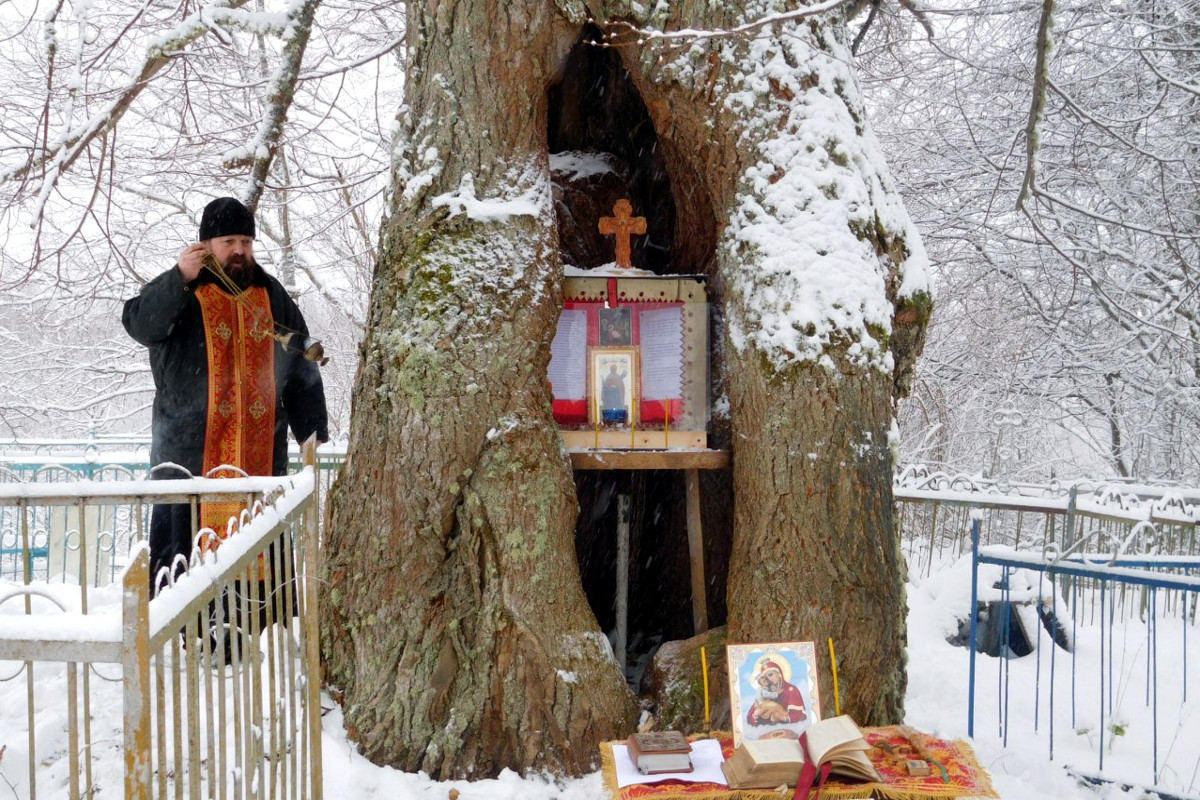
240, 428
954, 773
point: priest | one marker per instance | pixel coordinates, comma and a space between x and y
227, 390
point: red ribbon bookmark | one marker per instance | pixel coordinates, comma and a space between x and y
809, 774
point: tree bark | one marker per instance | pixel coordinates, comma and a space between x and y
457, 627
816, 552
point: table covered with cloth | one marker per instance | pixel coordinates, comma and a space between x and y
954, 773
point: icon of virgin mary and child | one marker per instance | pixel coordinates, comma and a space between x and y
779, 709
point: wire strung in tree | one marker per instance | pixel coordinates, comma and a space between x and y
312, 349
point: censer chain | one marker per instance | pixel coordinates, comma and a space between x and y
313, 350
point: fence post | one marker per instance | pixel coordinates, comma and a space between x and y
135, 669
974, 625
1069, 536
1069, 531
312, 574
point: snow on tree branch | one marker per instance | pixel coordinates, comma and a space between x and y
625, 33
73, 140
260, 151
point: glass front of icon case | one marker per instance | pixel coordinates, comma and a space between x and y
629, 363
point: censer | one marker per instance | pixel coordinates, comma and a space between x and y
312, 348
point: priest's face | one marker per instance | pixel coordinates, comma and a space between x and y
234, 253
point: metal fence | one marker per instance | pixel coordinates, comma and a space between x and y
935, 510
88, 544
72, 542
1085, 596
1074, 593
251, 729
217, 676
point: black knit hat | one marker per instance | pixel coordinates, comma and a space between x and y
226, 216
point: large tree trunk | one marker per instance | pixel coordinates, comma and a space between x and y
457, 627
456, 624
825, 319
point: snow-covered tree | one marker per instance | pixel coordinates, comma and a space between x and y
457, 628
1047, 149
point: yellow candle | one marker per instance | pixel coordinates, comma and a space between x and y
837, 700
667, 426
704, 668
632, 423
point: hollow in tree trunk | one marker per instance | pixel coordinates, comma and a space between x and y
455, 622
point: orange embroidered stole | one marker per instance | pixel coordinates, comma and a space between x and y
240, 430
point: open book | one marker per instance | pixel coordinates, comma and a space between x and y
767, 763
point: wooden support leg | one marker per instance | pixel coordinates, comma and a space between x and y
624, 503
696, 550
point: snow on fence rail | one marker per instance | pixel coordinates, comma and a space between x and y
217, 676
92, 543
935, 509
1110, 639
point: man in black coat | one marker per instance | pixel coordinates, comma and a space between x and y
226, 390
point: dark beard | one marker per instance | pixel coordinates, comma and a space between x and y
240, 270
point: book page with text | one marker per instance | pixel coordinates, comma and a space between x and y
828, 735
774, 751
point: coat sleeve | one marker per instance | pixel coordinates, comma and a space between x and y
303, 391
304, 400
151, 316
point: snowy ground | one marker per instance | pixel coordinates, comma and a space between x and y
937, 702
937, 699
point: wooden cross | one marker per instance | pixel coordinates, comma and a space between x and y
623, 225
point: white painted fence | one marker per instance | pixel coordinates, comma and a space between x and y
193, 726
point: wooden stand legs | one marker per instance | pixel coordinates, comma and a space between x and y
624, 504
696, 551
695, 535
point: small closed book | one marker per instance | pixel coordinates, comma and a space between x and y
660, 751
767, 763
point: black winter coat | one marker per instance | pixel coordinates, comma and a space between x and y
166, 317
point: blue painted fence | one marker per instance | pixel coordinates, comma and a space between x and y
1111, 594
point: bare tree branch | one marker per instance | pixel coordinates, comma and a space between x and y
57, 159
279, 101
1037, 105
